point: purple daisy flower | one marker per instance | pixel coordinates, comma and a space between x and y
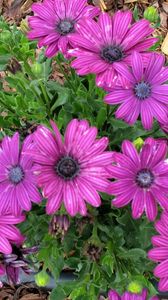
17, 181
9, 233
141, 178
145, 93
113, 295
104, 47
72, 172
159, 253
54, 20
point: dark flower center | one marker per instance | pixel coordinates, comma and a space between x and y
16, 174
144, 178
112, 53
142, 90
67, 167
65, 27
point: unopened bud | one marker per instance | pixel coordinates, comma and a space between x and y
151, 14
135, 287
42, 278
138, 143
14, 66
36, 68
59, 225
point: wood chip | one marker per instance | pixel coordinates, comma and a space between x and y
164, 46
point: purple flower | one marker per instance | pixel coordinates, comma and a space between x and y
113, 295
141, 178
145, 93
159, 253
11, 264
9, 233
17, 181
103, 48
72, 172
54, 20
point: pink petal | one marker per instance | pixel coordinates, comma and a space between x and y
160, 196
60, 8
122, 69
50, 38
58, 135
54, 202
160, 241
137, 66
163, 284
117, 96
161, 270
150, 206
125, 198
70, 134
23, 197
136, 33
161, 77
120, 173
88, 192
5, 246
129, 149
158, 254
138, 204
113, 295
70, 195
105, 22
51, 50
161, 228
154, 66
63, 44
10, 219
121, 24
146, 115
160, 111
120, 186
145, 155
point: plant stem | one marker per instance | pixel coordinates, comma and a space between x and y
65, 75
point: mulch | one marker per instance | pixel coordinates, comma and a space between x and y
26, 291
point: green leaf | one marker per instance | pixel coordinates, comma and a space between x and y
57, 294
101, 116
78, 292
108, 264
134, 254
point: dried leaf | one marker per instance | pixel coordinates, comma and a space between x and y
129, 1
165, 6
163, 19
164, 46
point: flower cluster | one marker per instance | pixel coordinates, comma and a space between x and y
112, 48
